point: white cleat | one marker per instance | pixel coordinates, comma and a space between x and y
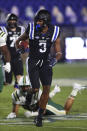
78, 87
11, 115
57, 89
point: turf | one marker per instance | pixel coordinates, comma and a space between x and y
77, 120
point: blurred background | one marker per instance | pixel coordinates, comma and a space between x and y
70, 15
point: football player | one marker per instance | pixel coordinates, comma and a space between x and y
23, 97
42, 35
13, 32
4, 50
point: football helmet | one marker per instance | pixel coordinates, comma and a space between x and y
43, 15
12, 20
23, 83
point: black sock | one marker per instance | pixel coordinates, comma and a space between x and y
40, 112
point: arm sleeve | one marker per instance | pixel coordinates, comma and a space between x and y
3, 37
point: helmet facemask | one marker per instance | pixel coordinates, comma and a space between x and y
12, 24
12, 20
25, 88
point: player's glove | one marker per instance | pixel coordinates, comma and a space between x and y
21, 50
11, 115
22, 99
53, 61
7, 67
23, 47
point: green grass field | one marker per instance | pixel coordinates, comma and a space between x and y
76, 120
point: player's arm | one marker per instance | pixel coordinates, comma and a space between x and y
57, 48
7, 57
3, 46
58, 53
23, 37
14, 112
6, 53
15, 108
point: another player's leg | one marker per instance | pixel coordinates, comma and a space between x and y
42, 105
46, 79
76, 88
18, 71
1, 79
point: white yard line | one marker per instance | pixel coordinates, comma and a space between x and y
52, 127
84, 128
69, 82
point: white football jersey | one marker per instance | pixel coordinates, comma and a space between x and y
3, 37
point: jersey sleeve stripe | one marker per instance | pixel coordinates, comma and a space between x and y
31, 30
4, 29
55, 33
31, 33
2, 33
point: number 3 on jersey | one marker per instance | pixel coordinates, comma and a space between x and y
43, 47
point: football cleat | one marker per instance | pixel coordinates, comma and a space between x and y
38, 121
78, 87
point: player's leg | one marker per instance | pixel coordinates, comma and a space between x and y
54, 109
17, 69
34, 78
42, 105
76, 88
69, 103
46, 79
33, 75
8, 77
